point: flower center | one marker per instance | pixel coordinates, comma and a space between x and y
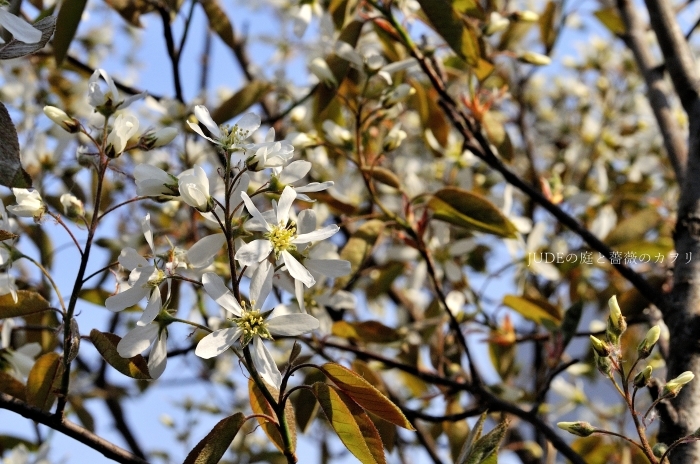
232, 136
252, 324
156, 278
281, 238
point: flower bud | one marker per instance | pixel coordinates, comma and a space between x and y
601, 348
335, 134
496, 23
659, 449
393, 139
72, 206
535, 58
641, 380
29, 204
526, 16
320, 69
646, 345
60, 117
616, 322
159, 138
581, 428
604, 364
674, 386
125, 127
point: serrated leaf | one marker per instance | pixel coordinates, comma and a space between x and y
343, 415
106, 343
11, 172
66, 26
367, 331
358, 248
12, 386
212, 448
219, 22
611, 19
16, 49
365, 394
533, 309
384, 175
249, 95
456, 32
471, 211
28, 302
44, 380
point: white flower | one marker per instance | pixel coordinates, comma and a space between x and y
141, 337
109, 101
393, 139
281, 238
21, 359
335, 134
194, 188
153, 182
292, 173
19, 28
250, 325
125, 127
29, 204
158, 138
269, 154
72, 206
60, 117
228, 138
320, 69
144, 280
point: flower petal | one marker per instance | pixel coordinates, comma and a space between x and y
264, 364
202, 253
152, 309
202, 114
316, 235
328, 267
297, 270
248, 124
255, 212
294, 171
127, 298
217, 342
130, 259
261, 283
252, 253
217, 290
147, 232
137, 340
285, 204
198, 130
306, 221
19, 28
292, 324
159, 356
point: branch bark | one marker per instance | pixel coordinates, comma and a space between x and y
84, 436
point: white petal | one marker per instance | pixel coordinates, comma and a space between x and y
159, 356
217, 290
285, 204
152, 309
294, 171
20, 29
130, 259
306, 221
313, 187
297, 270
202, 253
127, 298
202, 114
255, 212
264, 364
316, 235
253, 252
198, 130
261, 283
299, 294
147, 232
137, 340
249, 123
292, 324
217, 342
328, 267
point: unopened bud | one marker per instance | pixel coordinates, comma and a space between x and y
674, 386
398, 95
496, 23
393, 139
659, 449
60, 117
601, 348
616, 322
159, 138
526, 16
604, 364
641, 380
646, 345
535, 58
582, 429
72, 206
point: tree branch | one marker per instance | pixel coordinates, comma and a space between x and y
84, 436
673, 137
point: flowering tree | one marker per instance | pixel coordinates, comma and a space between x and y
410, 257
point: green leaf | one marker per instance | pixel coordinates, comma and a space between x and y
474, 435
486, 446
367, 331
611, 19
106, 343
12, 386
83, 414
43, 381
456, 32
343, 414
547, 32
358, 248
16, 49
383, 175
533, 309
634, 227
493, 124
365, 394
219, 22
11, 172
249, 95
469, 8
471, 211
304, 401
569, 324
260, 405
131, 10
43, 242
213, 447
66, 26
28, 302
